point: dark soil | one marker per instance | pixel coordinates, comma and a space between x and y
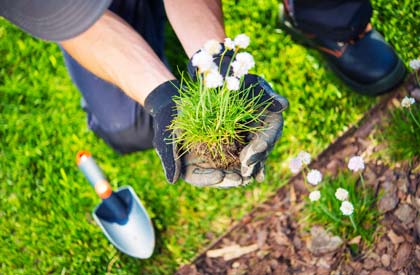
269, 240
227, 158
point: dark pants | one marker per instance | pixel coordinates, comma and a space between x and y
116, 118
125, 125
339, 20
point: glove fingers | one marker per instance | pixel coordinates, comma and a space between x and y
273, 127
230, 180
259, 174
252, 153
166, 151
279, 103
202, 177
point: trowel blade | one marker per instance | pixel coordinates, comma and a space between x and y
136, 237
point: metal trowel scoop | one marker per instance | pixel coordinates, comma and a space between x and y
120, 215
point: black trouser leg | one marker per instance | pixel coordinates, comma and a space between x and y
340, 20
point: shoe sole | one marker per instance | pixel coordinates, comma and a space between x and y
395, 77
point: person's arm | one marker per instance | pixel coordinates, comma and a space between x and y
195, 22
113, 51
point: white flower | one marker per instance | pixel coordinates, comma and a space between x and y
229, 44
347, 208
415, 64
305, 157
242, 41
407, 101
356, 163
295, 165
213, 79
315, 195
314, 177
242, 64
342, 194
212, 47
232, 83
203, 60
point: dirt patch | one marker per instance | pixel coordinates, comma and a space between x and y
269, 240
225, 157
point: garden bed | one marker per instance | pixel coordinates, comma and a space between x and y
270, 240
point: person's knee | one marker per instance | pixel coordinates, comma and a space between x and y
136, 137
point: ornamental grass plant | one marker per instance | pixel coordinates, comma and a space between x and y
344, 205
216, 113
402, 131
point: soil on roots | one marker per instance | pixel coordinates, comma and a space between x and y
224, 158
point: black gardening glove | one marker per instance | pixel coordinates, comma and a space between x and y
259, 145
160, 105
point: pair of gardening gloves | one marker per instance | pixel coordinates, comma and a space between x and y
161, 106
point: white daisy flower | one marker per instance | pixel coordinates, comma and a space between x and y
347, 208
314, 177
242, 41
305, 157
356, 163
229, 44
407, 102
203, 61
314, 195
295, 165
212, 47
342, 194
242, 64
415, 64
232, 83
213, 79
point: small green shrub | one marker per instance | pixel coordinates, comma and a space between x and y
345, 205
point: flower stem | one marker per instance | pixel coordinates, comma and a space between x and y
353, 223
414, 118
362, 180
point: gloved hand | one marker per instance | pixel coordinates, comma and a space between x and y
160, 105
199, 173
259, 145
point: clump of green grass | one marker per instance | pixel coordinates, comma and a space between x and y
402, 133
345, 205
326, 211
403, 125
214, 122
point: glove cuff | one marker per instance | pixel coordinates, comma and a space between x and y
192, 70
161, 97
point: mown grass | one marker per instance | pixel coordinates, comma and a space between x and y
45, 203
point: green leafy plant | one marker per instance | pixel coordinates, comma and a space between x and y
344, 205
402, 131
216, 113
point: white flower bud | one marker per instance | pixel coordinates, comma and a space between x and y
213, 79
407, 102
212, 47
242, 41
314, 195
342, 194
347, 208
232, 83
356, 163
314, 177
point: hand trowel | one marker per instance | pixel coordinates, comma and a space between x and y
120, 215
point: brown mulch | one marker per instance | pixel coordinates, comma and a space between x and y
269, 239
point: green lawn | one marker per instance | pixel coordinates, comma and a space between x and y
45, 202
